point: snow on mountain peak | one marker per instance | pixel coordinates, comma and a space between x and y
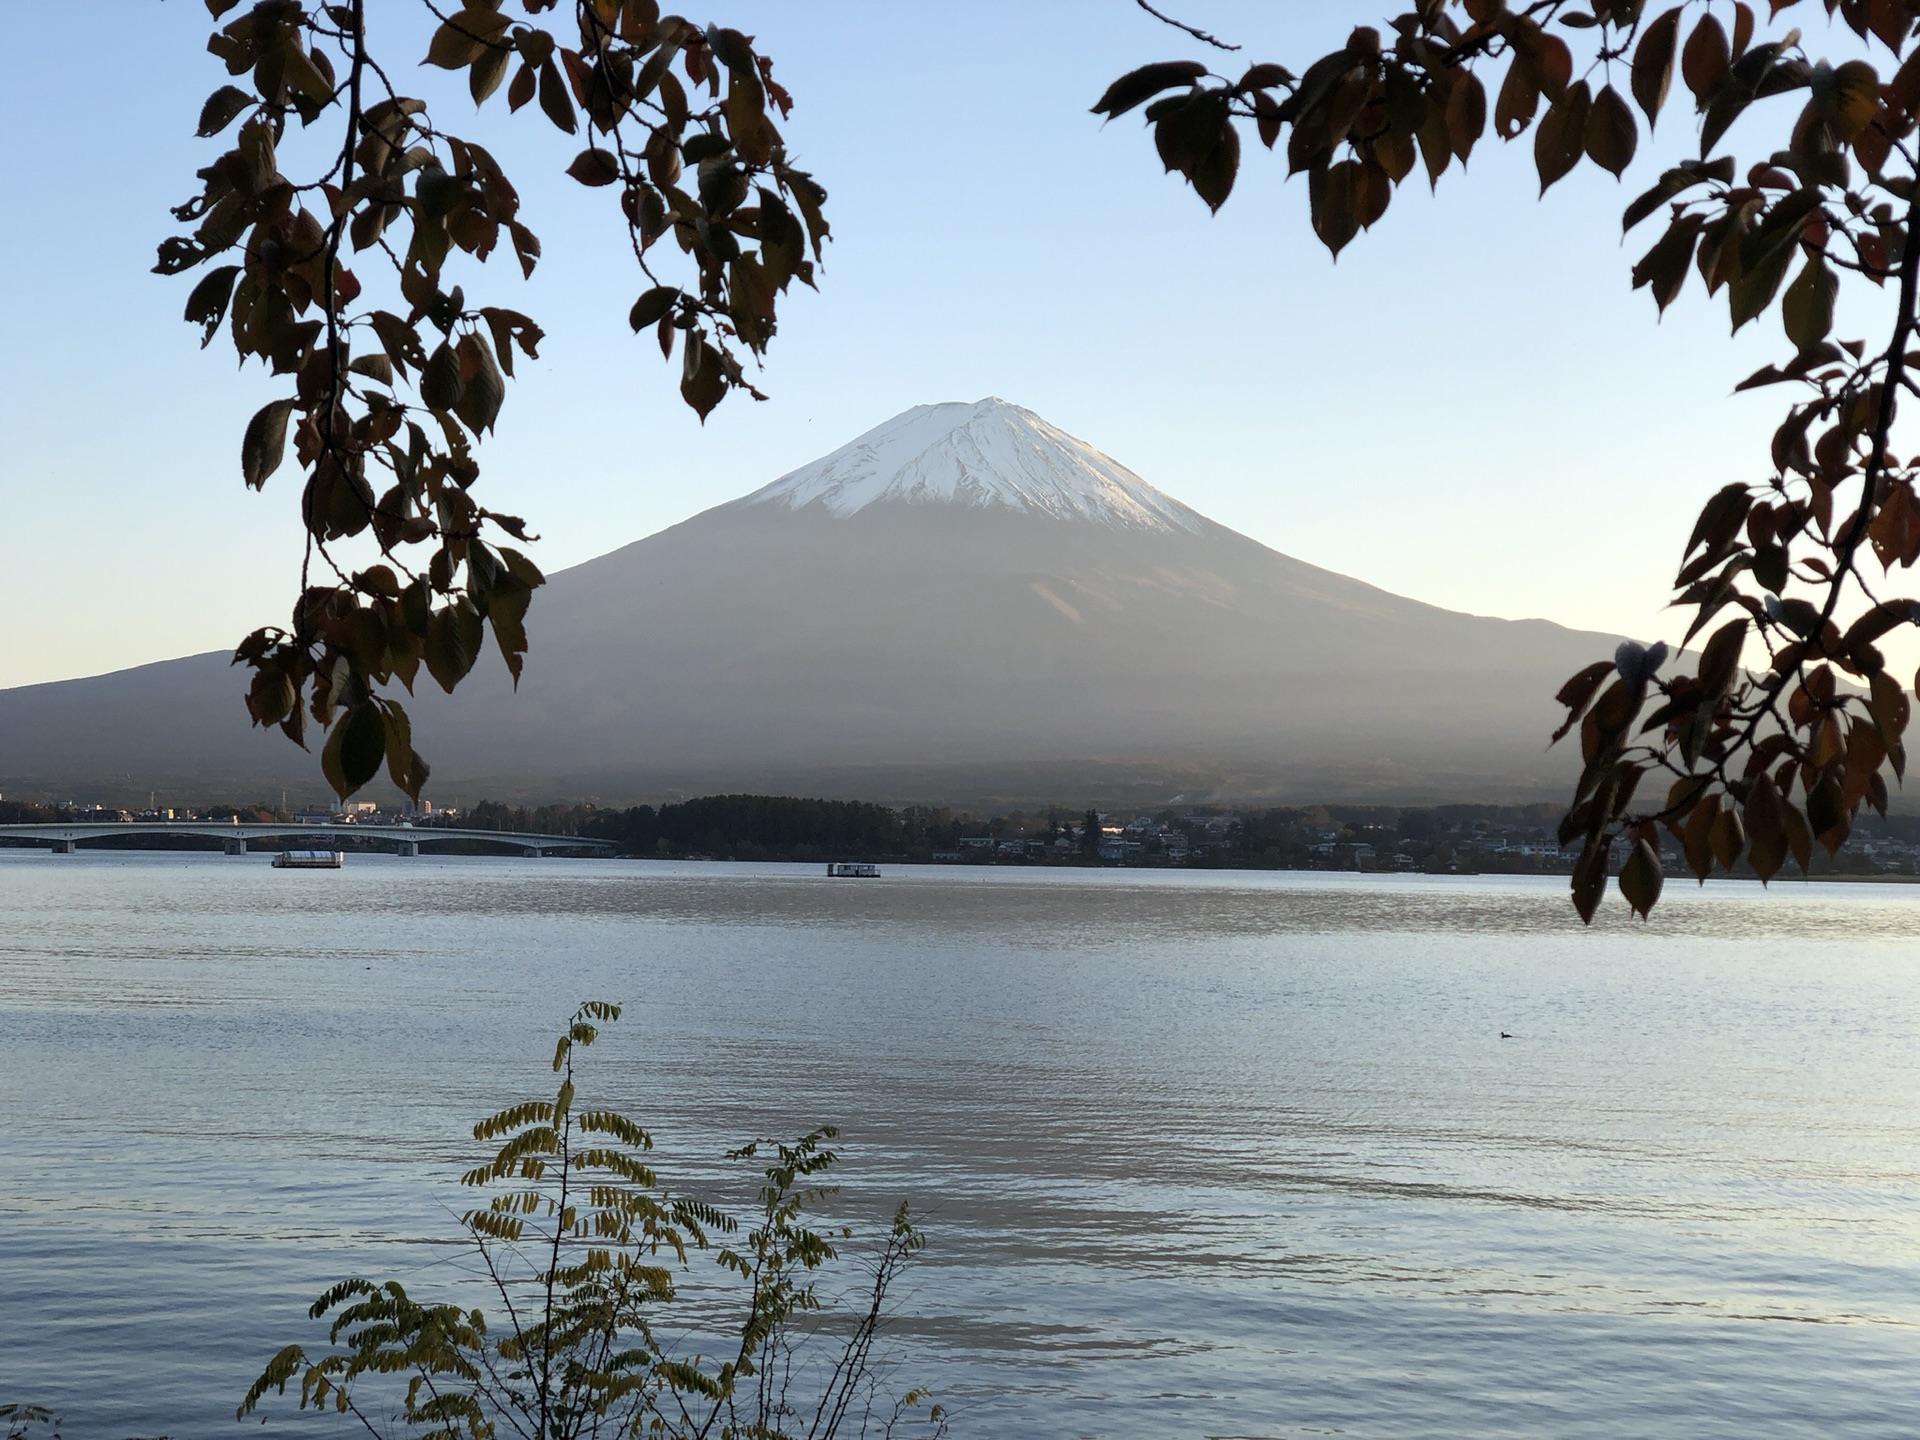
986, 454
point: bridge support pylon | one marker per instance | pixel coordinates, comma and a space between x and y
235, 847
63, 847
407, 849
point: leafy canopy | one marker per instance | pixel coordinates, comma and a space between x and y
1769, 738
341, 277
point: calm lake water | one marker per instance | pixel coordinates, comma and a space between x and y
1201, 1155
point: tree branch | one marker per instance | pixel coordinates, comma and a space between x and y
1202, 36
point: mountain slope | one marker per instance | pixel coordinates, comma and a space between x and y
962, 604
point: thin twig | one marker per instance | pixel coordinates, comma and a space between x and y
1202, 36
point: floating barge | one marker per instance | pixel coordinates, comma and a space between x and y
847, 870
309, 860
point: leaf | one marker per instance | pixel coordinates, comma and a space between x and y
1696, 838
1561, 137
1665, 266
1519, 98
1705, 59
265, 442
449, 656
404, 766
1847, 98
554, 99
440, 384
1578, 693
595, 167
1751, 291
703, 381
653, 304
1799, 836
354, 749
1767, 826
1720, 518
1827, 814
1213, 176
222, 108
1806, 310
1139, 86
1674, 182
1890, 711
1720, 657
1590, 877
1653, 63
1727, 837
207, 305
1612, 135
1466, 114
1641, 879
454, 47
483, 390
1334, 220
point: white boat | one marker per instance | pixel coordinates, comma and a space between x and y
848, 870
309, 860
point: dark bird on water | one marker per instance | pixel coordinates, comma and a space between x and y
1505, 1036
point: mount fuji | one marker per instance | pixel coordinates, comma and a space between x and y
965, 604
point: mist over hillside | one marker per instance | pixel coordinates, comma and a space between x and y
964, 605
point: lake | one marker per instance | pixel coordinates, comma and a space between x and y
1200, 1154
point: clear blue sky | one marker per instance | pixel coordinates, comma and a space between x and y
1471, 408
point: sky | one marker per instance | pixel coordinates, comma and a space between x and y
1471, 407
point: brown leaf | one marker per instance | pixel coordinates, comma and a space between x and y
1561, 136
1590, 877
265, 443
595, 167
1641, 879
1612, 134
1767, 827
1466, 114
1705, 59
1653, 63
554, 99
1519, 98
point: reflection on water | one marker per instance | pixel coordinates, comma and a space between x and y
1201, 1155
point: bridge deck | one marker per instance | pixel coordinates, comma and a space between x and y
64, 835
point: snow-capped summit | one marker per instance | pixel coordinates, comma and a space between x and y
990, 453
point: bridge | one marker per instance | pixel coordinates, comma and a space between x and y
65, 838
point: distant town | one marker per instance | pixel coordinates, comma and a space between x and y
1440, 840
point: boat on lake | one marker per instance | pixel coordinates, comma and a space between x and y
309, 860
848, 870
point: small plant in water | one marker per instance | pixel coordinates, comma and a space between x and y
584, 1251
